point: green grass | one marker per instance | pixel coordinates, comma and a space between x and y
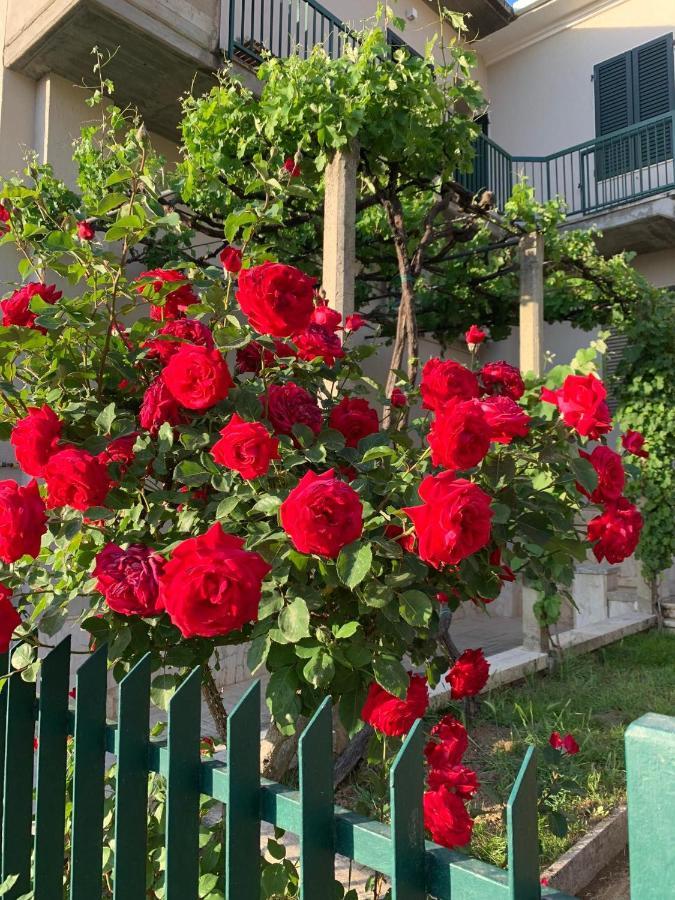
595, 697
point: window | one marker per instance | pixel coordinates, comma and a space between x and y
616, 347
631, 88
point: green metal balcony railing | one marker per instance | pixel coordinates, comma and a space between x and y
282, 28
596, 175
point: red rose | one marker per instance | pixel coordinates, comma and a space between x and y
463, 781
390, 714
316, 342
446, 818
501, 378
565, 744
197, 377
468, 675
505, 418
129, 579
5, 217
246, 447
16, 309
176, 301
253, 357
454, 520
355, 322
35, 438
22, 520
616, 532
396, 533
158, 407
120, 451
444, 380
291, 167
76, 478
277, 299
230, 259
442, 597
286, 405
611, 476
326, 317
449, 742
9, 618
322, 515
474, 336
398, 398
581, 401
354, 418
211, 586
459, 436
178, 332
86, 231
634, 442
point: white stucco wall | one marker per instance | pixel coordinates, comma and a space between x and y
539, 68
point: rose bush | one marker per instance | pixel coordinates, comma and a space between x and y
214, 469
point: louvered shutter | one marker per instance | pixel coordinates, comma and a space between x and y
613, 81
654, 95
614, 110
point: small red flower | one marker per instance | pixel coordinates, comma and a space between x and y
634, 442
474, 336
86, 231
502, 378
9, 618
176, 301
16, 308
468, 675
565, 744
326, 317
246, 447
446, 817
616, 532
4, 219
582, 405
460, 779
291, 167
390, 714
355, 322
448, 743
230, 259
398, 398
355, 419
442, 597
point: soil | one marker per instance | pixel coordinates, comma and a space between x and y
612, 883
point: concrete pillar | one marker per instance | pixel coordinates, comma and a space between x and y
590, 596
532, 303
339, 253
534, 636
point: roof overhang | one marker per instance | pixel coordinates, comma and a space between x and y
484, 16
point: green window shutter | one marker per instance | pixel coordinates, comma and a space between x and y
613, 82
653, 82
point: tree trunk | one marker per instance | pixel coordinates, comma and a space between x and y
214, 701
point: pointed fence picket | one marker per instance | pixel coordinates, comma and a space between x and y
32, 831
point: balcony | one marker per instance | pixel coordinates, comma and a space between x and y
619, 181
158, 48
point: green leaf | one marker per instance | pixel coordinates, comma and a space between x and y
226, 506
257, 652
162, 690
105, 419
191, 473
354, 563
111, 201
282, 699
415, 608
584, 473
294, 620
207, 883
347, 630
319, 670
390, 674
268, 504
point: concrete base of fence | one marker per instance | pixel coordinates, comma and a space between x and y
584, 861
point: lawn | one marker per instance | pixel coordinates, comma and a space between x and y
594, 697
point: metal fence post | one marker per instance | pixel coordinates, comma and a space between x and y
650, 765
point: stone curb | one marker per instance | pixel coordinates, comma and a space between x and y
584, 861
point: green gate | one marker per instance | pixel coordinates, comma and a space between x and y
33, 843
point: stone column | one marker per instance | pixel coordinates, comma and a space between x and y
339, 250
532, 360
532, 303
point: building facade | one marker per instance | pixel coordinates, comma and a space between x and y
581, 101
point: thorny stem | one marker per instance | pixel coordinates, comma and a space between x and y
214, 701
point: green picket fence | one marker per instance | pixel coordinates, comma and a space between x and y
33, 824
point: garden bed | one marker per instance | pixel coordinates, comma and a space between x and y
594, 697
